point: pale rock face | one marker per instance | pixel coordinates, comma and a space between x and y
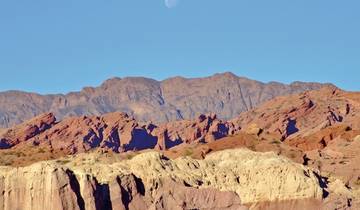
42, 186
253, 129
253, 176
47, 185
223, 180
357, 138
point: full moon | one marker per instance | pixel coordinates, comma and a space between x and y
171, 3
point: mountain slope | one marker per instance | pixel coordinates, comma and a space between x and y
148, 99
294, 117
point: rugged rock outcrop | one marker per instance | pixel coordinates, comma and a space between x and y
113, 131
150, 100
223, 180
26, 131
205, 129
295, 117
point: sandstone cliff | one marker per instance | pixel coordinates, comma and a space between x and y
231, 179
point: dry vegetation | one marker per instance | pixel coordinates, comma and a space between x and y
23, 157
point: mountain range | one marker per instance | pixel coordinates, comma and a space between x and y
146, 99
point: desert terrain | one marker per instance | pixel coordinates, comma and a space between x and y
242, 145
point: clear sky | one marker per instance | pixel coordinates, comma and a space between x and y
52, 46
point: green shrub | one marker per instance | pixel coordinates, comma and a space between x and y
275, 142
188, 152
63, 162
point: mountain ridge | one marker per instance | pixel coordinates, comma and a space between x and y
151, 100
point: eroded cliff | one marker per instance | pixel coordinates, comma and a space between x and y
230, 179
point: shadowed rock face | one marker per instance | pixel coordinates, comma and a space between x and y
147, 99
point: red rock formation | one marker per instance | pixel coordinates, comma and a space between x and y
206, 128
304, 114
293, 119
114, 131
27, 130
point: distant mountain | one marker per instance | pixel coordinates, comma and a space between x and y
225, 94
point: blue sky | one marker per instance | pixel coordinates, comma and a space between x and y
51, 46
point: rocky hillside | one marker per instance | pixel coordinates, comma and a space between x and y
45, 137
324, 114
306, 121
231, 179
150, 100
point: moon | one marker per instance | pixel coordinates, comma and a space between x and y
171, 3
